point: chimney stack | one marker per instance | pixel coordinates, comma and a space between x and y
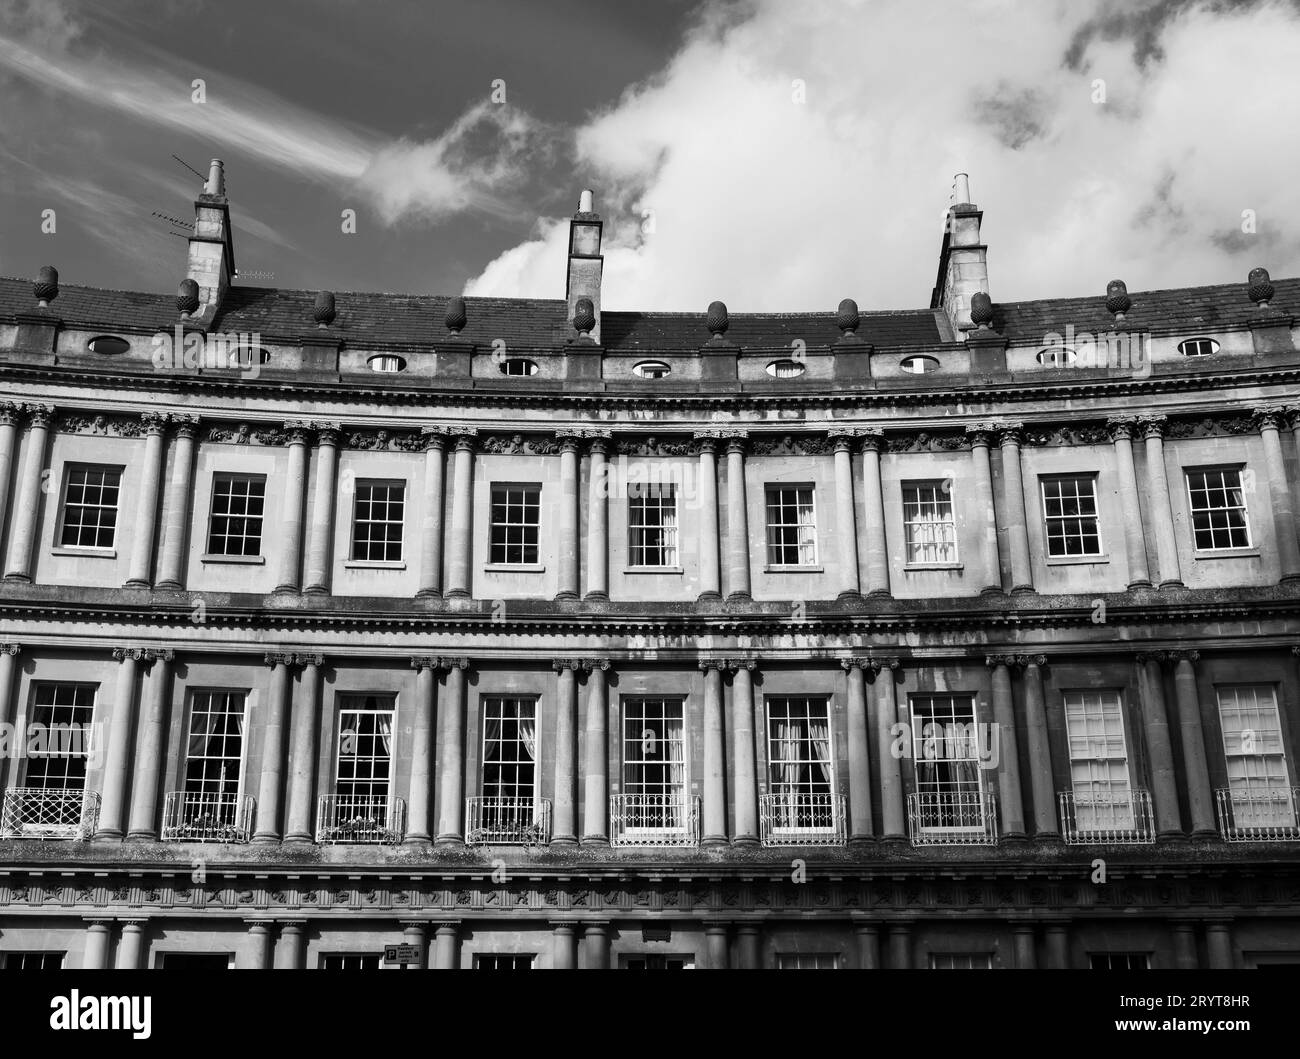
963, 260
211, 262
585, 261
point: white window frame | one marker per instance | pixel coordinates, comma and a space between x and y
87, 723
520, 759
1193, 511
243, 737
807, 961
959, 747
371, 543
1095, 767
945, 548
785, 829
639, 741
345, 708
532, 498
1049, 519
961, 961
228, 477
641, 496
774, 548
68, 470
1262, 769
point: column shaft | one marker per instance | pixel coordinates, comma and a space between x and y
710, 575
8, 663
715, 765
873, 503
891, 769
1023, 943
419, 796
1279, 491
564, 820
462, 506
564, 948
716, 944
1200, 796
986, 511
868, 948
9, 417
304, 725
290, 950
95, 956
130, 946
260, 943
1161, 512
1135, 542
1058, 948
322, 528
742, 719
595, 814
860, 827
121, 728
1042, 784
268, 791
900, 947
451, 761
143, 533
1218, 946
1155, 722
568, 528
148, 770
180, 495
435, 469
1022, 578
598, 524
444, 947
1185, 947
846, 520
1004, 715
737, 524
414, 934
597, 938
295, 487
23, 529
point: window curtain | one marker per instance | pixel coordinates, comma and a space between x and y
820, 734
674, 815
785, 764
528, 740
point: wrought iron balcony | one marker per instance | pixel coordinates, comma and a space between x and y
360, 818
802, 819
193, 817
38, 812
1266, 814
654, 820
1122, 819
492, 820
956, 818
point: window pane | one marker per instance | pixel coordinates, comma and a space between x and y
90, 506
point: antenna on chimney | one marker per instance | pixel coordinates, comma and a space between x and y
189, 167
243, 273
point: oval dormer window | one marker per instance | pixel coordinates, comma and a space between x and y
1198, 347
919, 365
251, 354
785, 369
518, 366
1056, 357
386, 363
108, 345
652, 369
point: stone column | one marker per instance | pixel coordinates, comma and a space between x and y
984, 508
289, 952
451, 757
885, 705
715, 758
8, 663
10, 416
295, 487
1008, 761
435, 488
873, 505
1058, 947
180, 497
1269, 420
444, 947
272, 774
323, 515
260, 944
1155, 722
900, 946
715, 940
597, 938
868, 946
845, 517
153, 754
747, 947
305, 723
1022, 575
143, 532
595, 809
462, 511
746, 774
1185, 947
1135, 541
1162, 514
1024, 946
22, 531
737, 521
1218, 945
860, 829
1196, 768
419, 797
564, 819
564, 947
95, 957
130, 946
121, 734
1041, 782
598, 521
568, 517
710, 546
413, 933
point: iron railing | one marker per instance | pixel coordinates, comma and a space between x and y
654, 820
957, 818
802, 819
1266, 814
497, 820
40, 812
1119, 819
360, 818
206, 817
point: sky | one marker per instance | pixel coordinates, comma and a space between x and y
778, 156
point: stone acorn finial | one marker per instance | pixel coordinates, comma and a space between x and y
1117, 299
46, 287
847, 317
981, 310
584, 316
187, 297
1260, 290
716, 320
455, 318
323, 311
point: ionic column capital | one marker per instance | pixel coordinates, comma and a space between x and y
453, 662
1010, 661
309, 660
160, 654
1143, 657
129, 654
10, 648
561, 664
429, 662
1032, 660
1183, 656
720, 664
277, 658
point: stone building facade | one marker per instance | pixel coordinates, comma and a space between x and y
528, 633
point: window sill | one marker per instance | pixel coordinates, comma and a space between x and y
86, 553
653, 570
242, 560
933, 566
1227, 553
514, 568
373, 564
1076, 560
793, 569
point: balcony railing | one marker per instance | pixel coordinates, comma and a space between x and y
1261, 815
194, 817
493, 820
1120, 819
957, 818
360, 818
654, 820
802, 819
38, 812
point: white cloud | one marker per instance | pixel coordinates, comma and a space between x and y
772, 204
